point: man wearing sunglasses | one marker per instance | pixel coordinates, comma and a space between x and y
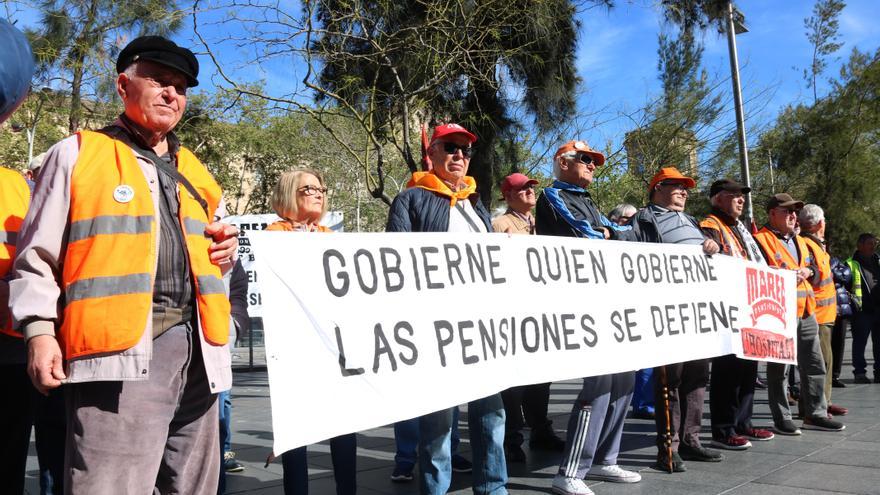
595, 425
445, 199
786, 250
664, 220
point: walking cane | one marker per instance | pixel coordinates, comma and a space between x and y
664, 382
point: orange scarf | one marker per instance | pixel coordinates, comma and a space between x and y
430, 182
288, 226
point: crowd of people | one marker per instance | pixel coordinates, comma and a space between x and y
123, 290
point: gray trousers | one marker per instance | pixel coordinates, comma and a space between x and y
812, 373
595, 425
155, 436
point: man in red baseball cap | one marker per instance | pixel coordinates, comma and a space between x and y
445, 199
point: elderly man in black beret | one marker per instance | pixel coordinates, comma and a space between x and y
120, 289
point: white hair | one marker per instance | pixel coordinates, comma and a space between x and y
810, 216
621, 210
568, 155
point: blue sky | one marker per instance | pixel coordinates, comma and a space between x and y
617, 58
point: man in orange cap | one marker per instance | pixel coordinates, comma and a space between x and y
664, 220
595, 425
445, 199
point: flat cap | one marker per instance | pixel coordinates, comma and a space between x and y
161, 51
783, 200
727, 185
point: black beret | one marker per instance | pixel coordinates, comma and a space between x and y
162, 51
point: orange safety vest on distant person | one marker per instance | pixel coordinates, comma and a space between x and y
826, 294
730, 244
14, 198
109, 264
778, 256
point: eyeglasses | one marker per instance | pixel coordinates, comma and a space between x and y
451, 148
675, 185
786, 211
527, 189
311, 190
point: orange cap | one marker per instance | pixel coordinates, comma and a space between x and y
671, 174
581, 146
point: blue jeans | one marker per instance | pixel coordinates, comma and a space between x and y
486, 426
643, 394
224, 408
406, 438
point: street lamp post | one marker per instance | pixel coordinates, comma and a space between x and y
734, 27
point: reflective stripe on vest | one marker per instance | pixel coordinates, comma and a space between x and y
778, 256
111, 252
729, 243
826, 294
14, 198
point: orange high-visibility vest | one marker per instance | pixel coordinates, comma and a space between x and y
14, 198
109, 264
778, 256
730, 245
826, 294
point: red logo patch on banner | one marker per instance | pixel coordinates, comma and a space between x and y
761, 344
766, 294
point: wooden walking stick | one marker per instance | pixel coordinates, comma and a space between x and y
664, 383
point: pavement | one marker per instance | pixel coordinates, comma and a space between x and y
845, 462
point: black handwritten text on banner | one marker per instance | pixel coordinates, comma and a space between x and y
374, 328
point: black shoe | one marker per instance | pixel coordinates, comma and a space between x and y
786, 427
547, 441
836, 383
514, 453
230, 465
461, 465
822, 423
662, 463
861, 378
700, 454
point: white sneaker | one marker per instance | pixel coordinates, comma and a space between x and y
570, 486
615, 474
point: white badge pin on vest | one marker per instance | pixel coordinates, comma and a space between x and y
123, 193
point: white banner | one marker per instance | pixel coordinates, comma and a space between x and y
256, 222
369, 329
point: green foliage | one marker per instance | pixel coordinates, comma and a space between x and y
441, 60
247, 144
78, 41
823, 36
828, 153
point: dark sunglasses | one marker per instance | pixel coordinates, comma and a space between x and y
451, 148
584, 158
312, 190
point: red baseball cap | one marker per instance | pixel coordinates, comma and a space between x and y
442, 131
583, 147
515, 182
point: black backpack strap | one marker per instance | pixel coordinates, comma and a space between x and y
120, 134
